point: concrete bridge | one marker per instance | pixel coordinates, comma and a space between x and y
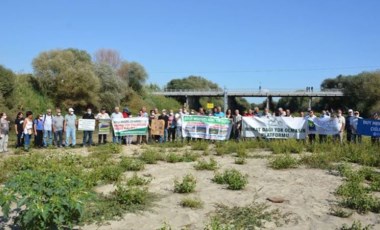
191, 94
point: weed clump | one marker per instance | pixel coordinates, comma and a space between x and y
193, 203
206, 165
233, 178
283, 161
186, 186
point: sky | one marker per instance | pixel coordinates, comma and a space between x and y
238, 44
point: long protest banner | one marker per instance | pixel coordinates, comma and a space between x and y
130, 126
369, 127
274, 127
206, 127
288, 127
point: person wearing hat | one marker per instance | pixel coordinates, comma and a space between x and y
348, 127
70, 125
103, 115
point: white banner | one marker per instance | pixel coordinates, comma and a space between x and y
288, 127
86, 124
324, 126
274, 127
206, 127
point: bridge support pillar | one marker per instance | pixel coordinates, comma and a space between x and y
310, 100
225, 97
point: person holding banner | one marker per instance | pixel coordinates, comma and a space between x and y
311, 128
342, 124
237, 124
375, 140
87, 134
70, 125
103, 121
356, 138
116, 115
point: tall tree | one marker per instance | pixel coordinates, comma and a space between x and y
134, 75
108, 56
112, 89
7, 81
67, 76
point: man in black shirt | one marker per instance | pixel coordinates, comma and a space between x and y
19, 122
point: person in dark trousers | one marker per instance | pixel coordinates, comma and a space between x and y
87, 135
39, 131
348, 127
19, 122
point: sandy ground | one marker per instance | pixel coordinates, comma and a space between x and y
309, 194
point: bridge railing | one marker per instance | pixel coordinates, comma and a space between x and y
252, 90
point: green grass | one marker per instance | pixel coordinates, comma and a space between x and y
187, 185
132, 164
206, 165
151, 156
193, 203
283, 161
174, 158
201, 145
135, 180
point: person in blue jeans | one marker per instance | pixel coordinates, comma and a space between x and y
48, 128
28, 129
58, 121
39, 131
87, 134
70, 128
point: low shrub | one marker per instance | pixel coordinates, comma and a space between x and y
186, 186
190, 157
137, 181
193, 203
283, 161
174, 158
200, 145
132, 164
357, 225
206, 165
233, 178
150, 156
253, 216
45, 199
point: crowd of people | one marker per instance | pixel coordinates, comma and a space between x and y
49, 129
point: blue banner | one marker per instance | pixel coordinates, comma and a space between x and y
369, 127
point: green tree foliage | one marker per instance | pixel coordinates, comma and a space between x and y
67, 76
134, 74
7, 81
112, 89
362, 92
201, 83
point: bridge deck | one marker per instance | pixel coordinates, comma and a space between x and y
250, 93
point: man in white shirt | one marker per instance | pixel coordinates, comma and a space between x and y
48, 128
116, 115
102, 116
342, 124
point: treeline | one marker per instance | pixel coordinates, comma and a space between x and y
72, 78
362, 93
